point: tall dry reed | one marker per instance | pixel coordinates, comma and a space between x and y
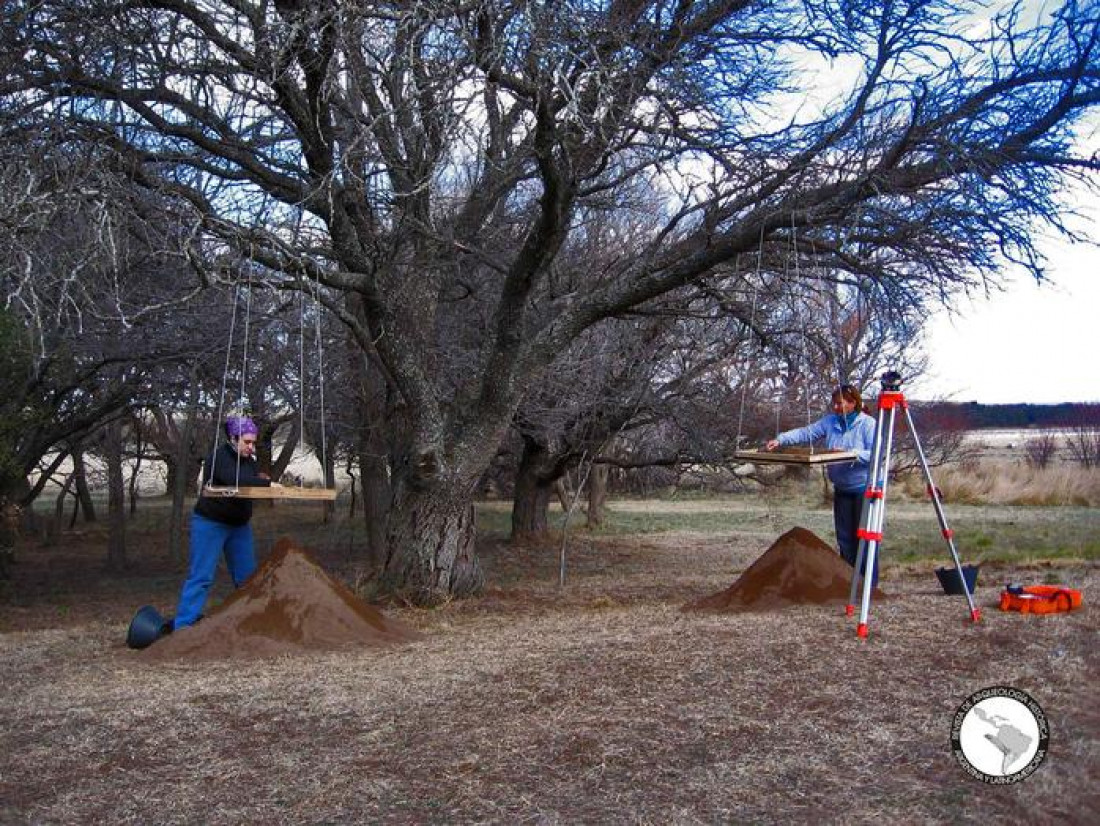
1012, 483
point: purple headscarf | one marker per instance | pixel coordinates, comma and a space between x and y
237, 426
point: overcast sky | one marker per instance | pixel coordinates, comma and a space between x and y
1029, 344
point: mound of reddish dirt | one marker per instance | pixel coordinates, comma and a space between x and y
288, 605
797, 569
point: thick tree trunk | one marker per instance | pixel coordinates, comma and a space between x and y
376, 420
530, 505
116, 497
431, 555
535, 483
597, 494
377, 499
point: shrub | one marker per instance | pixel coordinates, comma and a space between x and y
1039, 450
1083, 446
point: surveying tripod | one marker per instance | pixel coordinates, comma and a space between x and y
873, 514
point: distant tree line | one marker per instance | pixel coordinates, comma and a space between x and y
975, 416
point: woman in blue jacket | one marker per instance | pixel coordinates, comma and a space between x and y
847, 428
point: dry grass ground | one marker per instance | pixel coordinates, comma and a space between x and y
597, 703
1014, 483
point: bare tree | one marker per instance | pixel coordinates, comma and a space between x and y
1040, 450
1083, 445
684, 381
431, 160
591, 393
76, 264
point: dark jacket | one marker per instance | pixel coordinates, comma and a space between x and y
230, 510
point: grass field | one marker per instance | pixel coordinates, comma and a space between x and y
599, 702
993, 533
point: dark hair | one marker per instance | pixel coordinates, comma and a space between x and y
850, 393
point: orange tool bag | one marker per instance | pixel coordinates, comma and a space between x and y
1040, 599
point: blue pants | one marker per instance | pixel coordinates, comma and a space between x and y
847, 507
209, 539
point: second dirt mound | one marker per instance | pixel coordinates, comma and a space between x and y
799, 568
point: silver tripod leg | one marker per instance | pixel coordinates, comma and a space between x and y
868, 513
877, 522
948, 534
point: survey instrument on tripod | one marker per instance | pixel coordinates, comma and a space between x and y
873, 516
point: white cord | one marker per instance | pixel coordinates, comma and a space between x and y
802, 325
321, 381
301, 370
244, 367
225, 382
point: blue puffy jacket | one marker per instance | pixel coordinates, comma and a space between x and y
847, 477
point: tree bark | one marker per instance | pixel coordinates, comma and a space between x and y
537, 480
431, 556
116, 497
375, 421
377, 499
530, 507
597, 494
531, 497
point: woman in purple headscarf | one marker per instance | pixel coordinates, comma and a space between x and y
221, 525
